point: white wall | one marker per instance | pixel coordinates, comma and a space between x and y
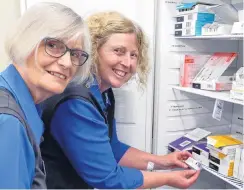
9, 12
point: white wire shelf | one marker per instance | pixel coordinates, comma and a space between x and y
214, 2
224, 95
217, 37
231, 180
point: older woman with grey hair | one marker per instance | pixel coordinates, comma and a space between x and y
48, 49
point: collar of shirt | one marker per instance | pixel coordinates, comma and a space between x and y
99, 96
16, 85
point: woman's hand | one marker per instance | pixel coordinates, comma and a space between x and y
173, 160
182, 179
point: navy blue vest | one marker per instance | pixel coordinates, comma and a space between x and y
60, 172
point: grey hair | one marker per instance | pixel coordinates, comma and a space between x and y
47, 20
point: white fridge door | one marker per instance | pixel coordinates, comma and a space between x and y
133, 107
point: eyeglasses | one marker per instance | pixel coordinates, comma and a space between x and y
57, 49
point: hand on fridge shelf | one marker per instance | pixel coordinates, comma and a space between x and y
174, 160
182, 179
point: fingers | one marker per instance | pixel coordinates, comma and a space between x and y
189, 173
181, 164
181, 156
193, 178
185, 154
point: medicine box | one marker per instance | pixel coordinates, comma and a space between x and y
200, 152
210, 76
189, 32
241, 167
237, 91
188, 140
226, 169
226, 164
225, 144
221, 84
190, 24
216, 29
203, 17
238, 28
190, 67
186, 8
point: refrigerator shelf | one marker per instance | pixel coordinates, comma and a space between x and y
215, 2
224, 95
231, 180
217, 37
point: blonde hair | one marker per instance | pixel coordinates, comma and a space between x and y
103, 24
47, 20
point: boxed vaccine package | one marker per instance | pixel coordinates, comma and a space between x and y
216, 29
237, 91
190, 67
224, 154
194, 31
203, 17
238, 27
195, 7
200, 152
225, 164
188, 140
210, 76
241, 167
190, 28
190, 24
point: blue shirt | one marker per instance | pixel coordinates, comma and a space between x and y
17, 159
82, 134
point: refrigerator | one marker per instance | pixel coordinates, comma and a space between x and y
145, 118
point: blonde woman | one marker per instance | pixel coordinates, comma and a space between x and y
83, 149
48, 49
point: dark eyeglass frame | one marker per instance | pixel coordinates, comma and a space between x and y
67, 49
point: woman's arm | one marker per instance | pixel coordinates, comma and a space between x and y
139, 159
179, 179
134, 158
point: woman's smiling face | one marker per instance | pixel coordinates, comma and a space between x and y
117, 60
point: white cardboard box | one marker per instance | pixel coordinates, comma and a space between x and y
241, 167
237, 91
222, 163
203, 17
221, 84
187, 8
216, 29
238, 28
200, 152
187, 141
210, 76
190, 67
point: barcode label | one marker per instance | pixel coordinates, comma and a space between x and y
218, 109
190, 16
188, 31
185, 143
210, 86
188, 24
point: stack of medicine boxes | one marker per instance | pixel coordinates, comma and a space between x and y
222, 153
191, 17
225, 154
